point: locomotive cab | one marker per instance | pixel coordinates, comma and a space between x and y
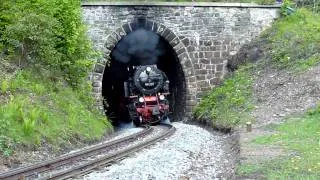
147, 90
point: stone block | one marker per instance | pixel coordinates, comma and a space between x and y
110, 42
96, 77
187, 64
183, 57
219, 67
204, 61
97, 84
201, 54
210, 67
191, 79
115, 36
191, 102
216, 61
208, 54
216, 54
215, 81
99, 68
196, 66
166, 33
120, 32
161, 29
102, 60
170, 36
185, 41
224, 54
180, 51
201, 71
174, 42
178, 46
200, 77
190, 48
203, 84
96, 90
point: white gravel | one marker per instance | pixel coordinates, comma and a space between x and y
190, 153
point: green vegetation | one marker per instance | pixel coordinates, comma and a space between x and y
301, 137
37, 110
295, 40
293, 43
48, 33
45, 58
228, 104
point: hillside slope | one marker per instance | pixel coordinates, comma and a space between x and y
275, 85
46, 105
40, 112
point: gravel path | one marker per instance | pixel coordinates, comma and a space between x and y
191, 153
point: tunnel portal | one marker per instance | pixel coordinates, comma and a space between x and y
142, 47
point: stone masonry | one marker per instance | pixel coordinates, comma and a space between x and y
204, 35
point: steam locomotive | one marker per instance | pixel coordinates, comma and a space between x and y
146, 91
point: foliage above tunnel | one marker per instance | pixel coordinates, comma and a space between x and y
48, 33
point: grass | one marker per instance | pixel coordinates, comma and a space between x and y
228, 104
301, 137
295, 41
38, 107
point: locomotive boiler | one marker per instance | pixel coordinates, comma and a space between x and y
146, 91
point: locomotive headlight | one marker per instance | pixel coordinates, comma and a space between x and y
161, 97
141, 99
148, 69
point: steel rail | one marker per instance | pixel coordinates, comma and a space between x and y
32, 170
109, 158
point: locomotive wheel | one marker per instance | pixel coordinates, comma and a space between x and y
156, 120
137, 121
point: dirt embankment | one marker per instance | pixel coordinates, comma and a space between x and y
277, 94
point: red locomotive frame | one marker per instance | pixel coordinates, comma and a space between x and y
147, 106
152, 109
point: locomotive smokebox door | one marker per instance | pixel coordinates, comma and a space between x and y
155, 110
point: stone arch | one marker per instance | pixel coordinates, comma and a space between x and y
179, 47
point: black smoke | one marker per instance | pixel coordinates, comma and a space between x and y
140, 47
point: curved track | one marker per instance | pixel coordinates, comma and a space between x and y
88, 159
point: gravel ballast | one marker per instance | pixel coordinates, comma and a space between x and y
190, 153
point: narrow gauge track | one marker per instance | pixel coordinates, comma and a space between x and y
58, 168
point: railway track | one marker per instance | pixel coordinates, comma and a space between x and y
84, 161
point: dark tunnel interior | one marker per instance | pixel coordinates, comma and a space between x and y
163, 55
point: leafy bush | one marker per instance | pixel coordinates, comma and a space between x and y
46, 32
226, 105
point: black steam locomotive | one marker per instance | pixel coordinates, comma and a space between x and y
146, 92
